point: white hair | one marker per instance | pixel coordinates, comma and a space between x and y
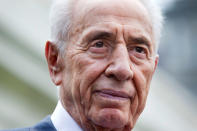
60, 21
157, 19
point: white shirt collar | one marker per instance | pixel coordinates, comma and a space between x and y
62, 120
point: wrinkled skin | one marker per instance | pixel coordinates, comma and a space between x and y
106, 70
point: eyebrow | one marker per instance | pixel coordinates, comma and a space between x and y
100, 34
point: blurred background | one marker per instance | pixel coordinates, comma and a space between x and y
27, 94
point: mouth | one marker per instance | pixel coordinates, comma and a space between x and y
112, 94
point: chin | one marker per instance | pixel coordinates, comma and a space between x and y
110, 118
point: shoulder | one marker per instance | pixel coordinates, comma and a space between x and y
18, 129
44, 125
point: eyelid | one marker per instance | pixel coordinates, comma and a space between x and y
138, 45
96, 41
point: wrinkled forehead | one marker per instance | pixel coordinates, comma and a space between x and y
125, 12
88, 12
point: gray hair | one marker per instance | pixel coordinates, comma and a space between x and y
157, 20
60, 21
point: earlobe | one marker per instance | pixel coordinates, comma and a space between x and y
54, 62
156, 61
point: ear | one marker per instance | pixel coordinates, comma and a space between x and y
55, 63
156, 62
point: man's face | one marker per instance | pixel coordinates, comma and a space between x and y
108, 64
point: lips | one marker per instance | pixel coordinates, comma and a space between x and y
113, 93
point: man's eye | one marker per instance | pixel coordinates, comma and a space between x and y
140, 50
98, 47
99, 44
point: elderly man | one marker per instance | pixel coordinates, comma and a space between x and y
102, 54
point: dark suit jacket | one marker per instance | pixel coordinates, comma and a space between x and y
45, 125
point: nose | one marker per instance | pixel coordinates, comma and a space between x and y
119, 67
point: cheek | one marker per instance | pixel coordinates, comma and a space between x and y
142, 78
87, 71
148, 71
